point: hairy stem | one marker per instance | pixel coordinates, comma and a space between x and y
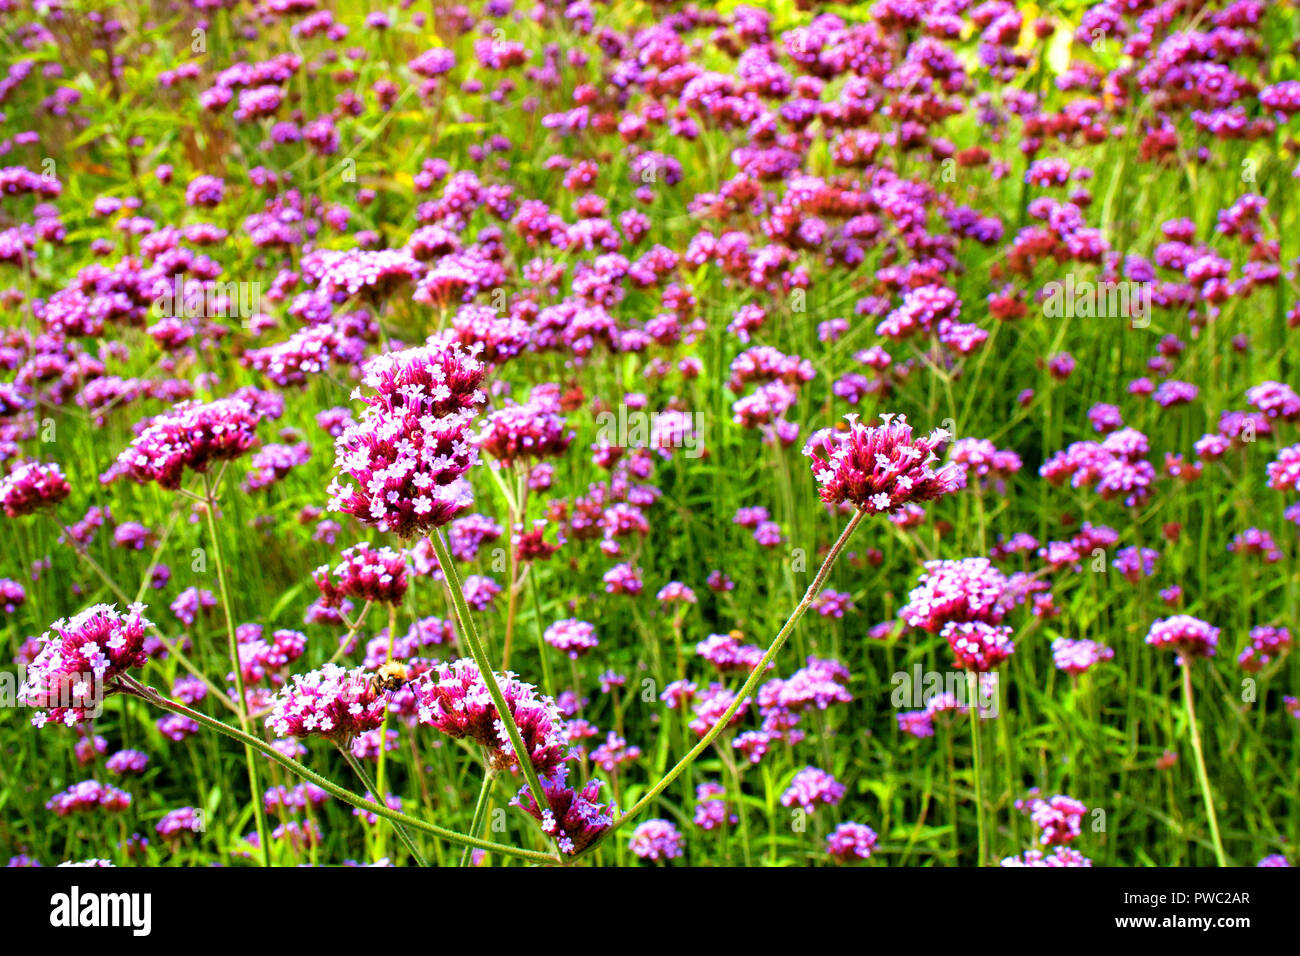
334, 790
241, 700
470, 633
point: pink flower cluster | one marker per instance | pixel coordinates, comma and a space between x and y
571, 636
880, 469
656, 840
850, 842
1189, 636
573, 817
31, 486
1059, 819
411, 446
454, 699
811, 788
332, 702
366, 573
192, 435
78, 661
88, 795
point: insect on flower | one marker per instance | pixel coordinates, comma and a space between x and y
391, 676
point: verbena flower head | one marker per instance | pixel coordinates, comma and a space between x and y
1077, 656
1062, 856
968, 590
880, 469
977, 646
574, 817
78, 661
411, 446
1059, 819
812, 788
656, 840
850, 842
571, 636
192, 435
1189, 636
454, 699
88, 795
520, 432
32, 486
332, 702
364, 574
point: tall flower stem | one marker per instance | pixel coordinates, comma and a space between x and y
470, 633
360, 771
972, 706
548, 683
1201, 775
132, 686
750, 685
516, 509
241, 701
383, 728
480, 810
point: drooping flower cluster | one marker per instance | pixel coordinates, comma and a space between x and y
880, 469
574, 817
454, 699
412, 444
78, 661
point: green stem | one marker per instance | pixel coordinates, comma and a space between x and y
972, 704
378, 791
1200, 766
360, 771
467, 629
329, 786
241, 700
480, 809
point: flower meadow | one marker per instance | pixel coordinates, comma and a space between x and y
650, 434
